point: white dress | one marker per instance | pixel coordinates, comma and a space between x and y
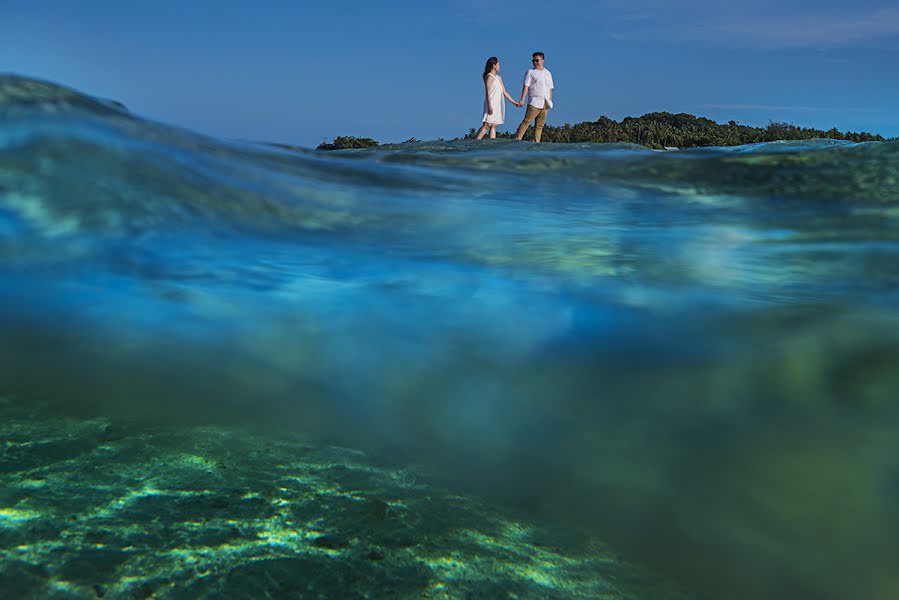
498, 101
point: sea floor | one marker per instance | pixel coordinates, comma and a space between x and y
91, 508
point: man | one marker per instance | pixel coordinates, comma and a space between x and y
538, 87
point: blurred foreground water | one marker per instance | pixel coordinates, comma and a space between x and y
691, 356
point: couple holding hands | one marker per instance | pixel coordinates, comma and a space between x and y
538, 89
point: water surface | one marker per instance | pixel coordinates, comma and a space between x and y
689, 355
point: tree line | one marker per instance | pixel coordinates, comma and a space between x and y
656, 130
663, 129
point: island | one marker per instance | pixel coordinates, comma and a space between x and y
656, 130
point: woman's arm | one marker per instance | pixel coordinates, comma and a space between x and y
488, 85
510, 98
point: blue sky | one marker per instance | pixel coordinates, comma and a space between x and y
298, 72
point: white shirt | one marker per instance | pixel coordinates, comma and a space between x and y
539, 82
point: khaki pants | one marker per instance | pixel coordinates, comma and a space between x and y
529, 115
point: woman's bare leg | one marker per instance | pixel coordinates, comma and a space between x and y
482, 131
493, 132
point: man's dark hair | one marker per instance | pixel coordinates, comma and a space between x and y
536, 54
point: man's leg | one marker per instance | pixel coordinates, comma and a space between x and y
541, 121
529, 115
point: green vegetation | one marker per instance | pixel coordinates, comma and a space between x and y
347, 142
661, 129
655, 130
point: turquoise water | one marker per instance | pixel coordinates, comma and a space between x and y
691, 355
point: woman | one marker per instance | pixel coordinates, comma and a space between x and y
494, 105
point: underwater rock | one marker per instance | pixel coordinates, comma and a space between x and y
145, 517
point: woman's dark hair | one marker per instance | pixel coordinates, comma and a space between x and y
489, 66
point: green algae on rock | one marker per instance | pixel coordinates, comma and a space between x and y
203, 512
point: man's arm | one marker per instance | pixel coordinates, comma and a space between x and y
524, 94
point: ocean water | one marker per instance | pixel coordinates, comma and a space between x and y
442, 369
